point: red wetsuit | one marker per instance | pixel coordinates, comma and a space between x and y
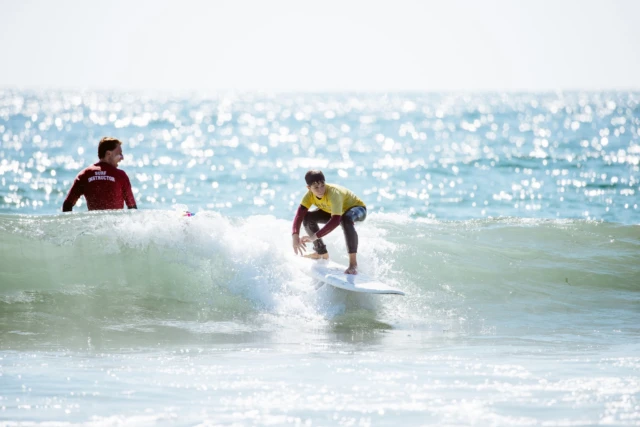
104, 186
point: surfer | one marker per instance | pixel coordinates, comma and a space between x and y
103, 185
336, 206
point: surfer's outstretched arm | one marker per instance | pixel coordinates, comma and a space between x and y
299, 247
334, 221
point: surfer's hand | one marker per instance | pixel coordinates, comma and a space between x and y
298, 247
353, 269
309, 239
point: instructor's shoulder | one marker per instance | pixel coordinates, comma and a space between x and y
122, 173
84, 172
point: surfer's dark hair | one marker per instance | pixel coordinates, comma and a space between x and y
107, 144
314, 176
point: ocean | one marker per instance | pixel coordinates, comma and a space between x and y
510, 220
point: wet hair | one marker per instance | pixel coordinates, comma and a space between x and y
107, 144
314, 176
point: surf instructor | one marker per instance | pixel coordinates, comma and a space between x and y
336, 206
103, 185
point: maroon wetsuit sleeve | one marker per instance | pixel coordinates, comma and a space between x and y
297, 221
77, 190
329, 226
128, 193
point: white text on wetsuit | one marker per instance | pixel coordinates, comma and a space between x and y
101, 176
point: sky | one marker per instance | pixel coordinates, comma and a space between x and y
298, 45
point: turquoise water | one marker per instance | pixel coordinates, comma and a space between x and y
461, 157
510, 220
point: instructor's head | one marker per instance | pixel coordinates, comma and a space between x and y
315, 182
110, 151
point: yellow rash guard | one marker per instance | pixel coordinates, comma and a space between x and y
336, 200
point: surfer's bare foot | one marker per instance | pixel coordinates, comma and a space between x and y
353, 269
317, 256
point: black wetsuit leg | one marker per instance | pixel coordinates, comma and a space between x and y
310, 223
356, 213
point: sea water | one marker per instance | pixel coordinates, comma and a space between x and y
511, 221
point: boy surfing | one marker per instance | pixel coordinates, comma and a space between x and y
336, 206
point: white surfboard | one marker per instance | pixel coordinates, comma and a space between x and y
332, 273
